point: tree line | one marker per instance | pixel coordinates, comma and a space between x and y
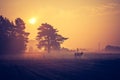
14, 38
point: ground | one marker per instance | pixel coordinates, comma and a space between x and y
61, 68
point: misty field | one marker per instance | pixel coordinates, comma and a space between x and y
42, 67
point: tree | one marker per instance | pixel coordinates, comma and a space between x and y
48, 38
21, 37
112, 48
5, 34
13, 38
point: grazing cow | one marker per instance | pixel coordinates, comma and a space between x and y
78, 54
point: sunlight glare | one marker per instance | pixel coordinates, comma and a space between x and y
32, 20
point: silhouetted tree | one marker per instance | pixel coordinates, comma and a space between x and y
6, 28
21, 37
112, 48
48, 38
13, 38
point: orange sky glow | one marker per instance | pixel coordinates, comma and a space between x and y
86, 23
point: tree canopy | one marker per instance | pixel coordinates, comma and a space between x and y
48, 38
13, 38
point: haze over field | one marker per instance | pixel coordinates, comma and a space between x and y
32, 31
86, 23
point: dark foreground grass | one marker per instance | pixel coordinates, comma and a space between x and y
60, 69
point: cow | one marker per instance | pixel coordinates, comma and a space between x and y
78, 54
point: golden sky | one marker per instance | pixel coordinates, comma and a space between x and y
85, 22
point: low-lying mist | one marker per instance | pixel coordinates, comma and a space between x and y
58, 55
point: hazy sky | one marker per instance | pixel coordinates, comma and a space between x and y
85, 22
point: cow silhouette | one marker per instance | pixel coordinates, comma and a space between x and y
78, 54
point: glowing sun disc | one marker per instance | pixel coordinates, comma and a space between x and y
32, 21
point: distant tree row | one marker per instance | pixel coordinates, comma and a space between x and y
14, 38
112, 48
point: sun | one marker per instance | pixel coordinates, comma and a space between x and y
32, 20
